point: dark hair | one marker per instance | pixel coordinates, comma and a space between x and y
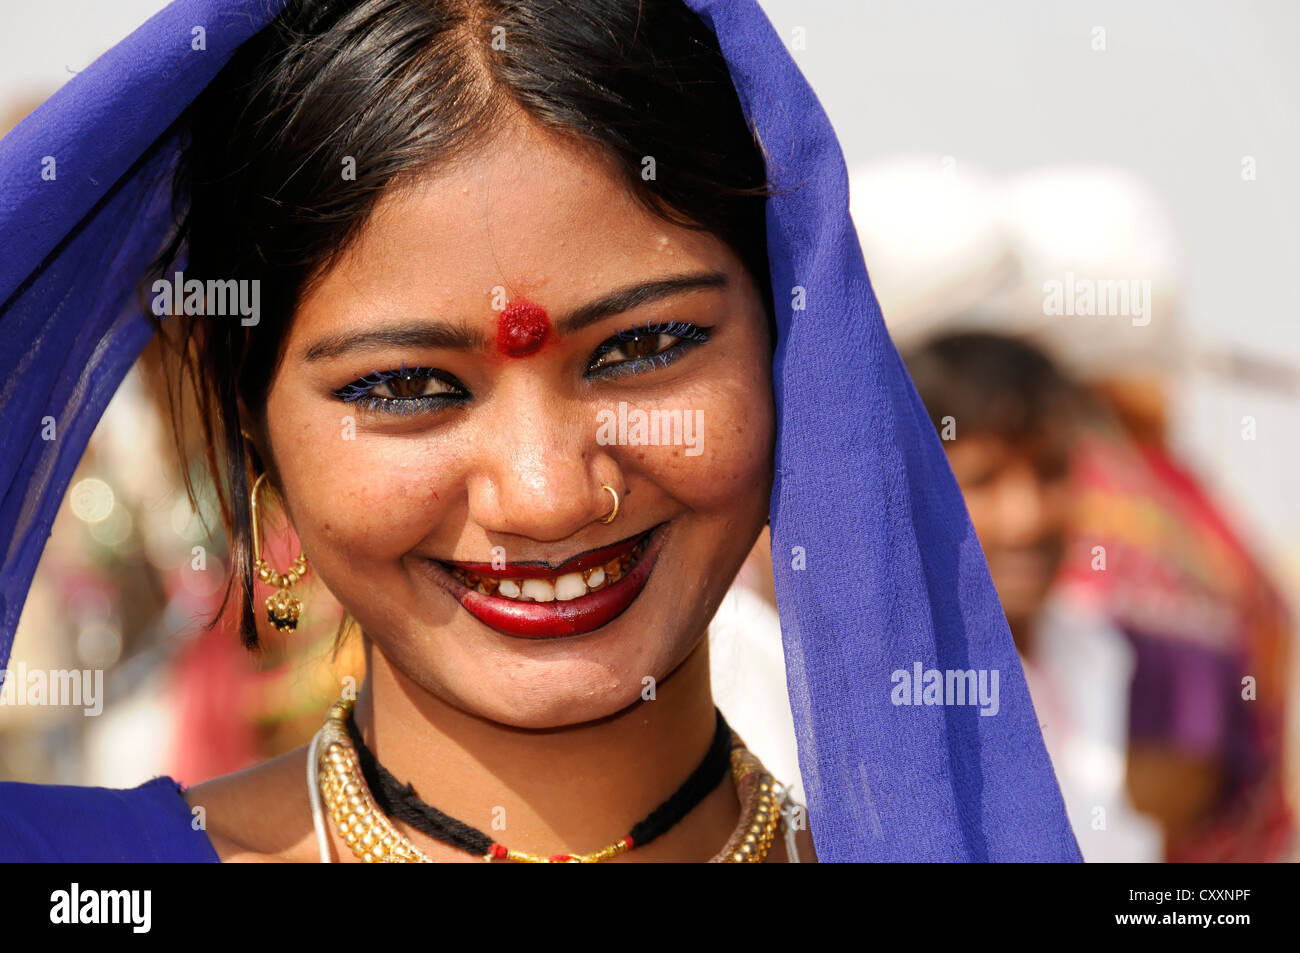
400, 86
991, 384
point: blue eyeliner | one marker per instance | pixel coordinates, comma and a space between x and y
690, 335
360, 392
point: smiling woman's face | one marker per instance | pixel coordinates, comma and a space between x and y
488, 439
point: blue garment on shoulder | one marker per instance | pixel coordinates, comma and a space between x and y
49, 823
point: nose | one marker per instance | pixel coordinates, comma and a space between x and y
539, 469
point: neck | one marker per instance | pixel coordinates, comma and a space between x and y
575, 788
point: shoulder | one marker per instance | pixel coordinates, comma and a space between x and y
59, 823
260, 814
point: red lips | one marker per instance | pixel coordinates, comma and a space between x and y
546, 620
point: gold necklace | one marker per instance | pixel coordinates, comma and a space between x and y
373, 838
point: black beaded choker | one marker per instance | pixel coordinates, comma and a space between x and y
400, 802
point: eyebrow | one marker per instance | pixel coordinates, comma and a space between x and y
423, 335
461, 337
625, 299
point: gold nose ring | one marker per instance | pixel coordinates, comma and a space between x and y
614, 511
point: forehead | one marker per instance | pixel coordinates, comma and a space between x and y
529, 214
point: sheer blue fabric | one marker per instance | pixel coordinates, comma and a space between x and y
56, 823
878, 571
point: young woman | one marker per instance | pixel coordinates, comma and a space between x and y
500, 249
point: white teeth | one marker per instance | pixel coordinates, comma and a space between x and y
573, 585
539, 590
570, 586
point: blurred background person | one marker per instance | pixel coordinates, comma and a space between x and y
1207, 624
1146, 549
1009, 421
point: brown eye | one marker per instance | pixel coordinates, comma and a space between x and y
645, 345
410, 386
646, 348
637, 347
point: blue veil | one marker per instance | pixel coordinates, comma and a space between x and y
878, 572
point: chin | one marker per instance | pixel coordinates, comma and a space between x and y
538, 695
549, 683
564, 707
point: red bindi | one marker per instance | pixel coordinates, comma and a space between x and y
522, 329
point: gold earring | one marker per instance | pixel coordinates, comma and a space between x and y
614, 511
282, 608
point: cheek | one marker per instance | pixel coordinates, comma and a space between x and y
358, 499
726, 463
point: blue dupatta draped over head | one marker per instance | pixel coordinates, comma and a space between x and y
877, 568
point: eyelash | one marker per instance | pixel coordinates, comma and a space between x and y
689, 335
360, 393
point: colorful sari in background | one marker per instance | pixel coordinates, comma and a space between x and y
1209, 631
